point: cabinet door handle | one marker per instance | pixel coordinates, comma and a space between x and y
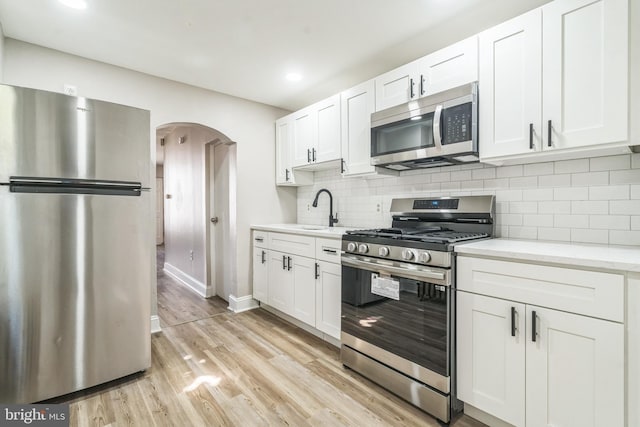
534, 327
262, 257
330, 251
421, 85
549, 129
288, 263
284, 262
342, 163
411, 94
308, 155
513, 321
317, 268
313, 154
259, 239
286, 174
530, 136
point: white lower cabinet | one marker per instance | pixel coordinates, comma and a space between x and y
328, 298
531, 365
306, 287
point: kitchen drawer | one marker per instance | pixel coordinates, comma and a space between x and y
590, 293
328, 250
293, 244
260, 239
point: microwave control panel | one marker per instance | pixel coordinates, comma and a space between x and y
456, 124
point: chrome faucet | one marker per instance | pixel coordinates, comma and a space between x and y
332, 220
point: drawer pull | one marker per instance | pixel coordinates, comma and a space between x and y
330, 251
259, 239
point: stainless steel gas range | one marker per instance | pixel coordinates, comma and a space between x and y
398, 297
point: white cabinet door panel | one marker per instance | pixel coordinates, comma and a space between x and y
327, 145
396, 86
283, 151
511, 86
357, 105
280, 293
260, 274
585, 59
328, 298
304, 290
575, 370
303, 136
447, 68
491, 361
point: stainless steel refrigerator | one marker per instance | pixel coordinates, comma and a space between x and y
76, 243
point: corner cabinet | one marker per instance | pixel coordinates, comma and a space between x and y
541, 345
444, 69
299, 276
554, 79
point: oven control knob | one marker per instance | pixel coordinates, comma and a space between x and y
363, 249
351, 247
383, 251
425, 257
408, 254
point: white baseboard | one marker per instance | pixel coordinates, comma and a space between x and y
186, 280
155, 325
240, 304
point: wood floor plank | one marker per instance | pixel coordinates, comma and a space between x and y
211, 367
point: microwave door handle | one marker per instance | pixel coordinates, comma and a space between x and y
437, 133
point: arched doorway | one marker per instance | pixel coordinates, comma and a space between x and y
199, 179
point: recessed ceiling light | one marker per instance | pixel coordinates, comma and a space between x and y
74, 4
293, 77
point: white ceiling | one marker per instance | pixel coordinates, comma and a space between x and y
245, 47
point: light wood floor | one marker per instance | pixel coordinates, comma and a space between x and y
247, 369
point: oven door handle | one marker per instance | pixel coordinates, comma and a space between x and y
408, 273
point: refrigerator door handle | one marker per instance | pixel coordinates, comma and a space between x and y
22, 184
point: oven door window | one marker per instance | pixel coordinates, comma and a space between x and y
414, 326
407, 135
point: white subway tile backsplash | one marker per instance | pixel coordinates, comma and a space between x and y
610, 163
523, 232
591, 207
539, 169
555, 207
486, 173
556, 234
586, 200
524, 182
509, 171
538, 194
631, 176
589, 236
571, 193
571, 166
571, 221
610, 222
563, 180
589, 178
617, 237
610, 192
523, 207
624, 207
538, 220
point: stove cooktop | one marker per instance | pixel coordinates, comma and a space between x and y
431, 234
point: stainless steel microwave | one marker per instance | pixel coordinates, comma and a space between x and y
437, 130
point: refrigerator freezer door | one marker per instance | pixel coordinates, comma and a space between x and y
74, 291
46, 134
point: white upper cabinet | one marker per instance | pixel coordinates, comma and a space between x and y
316, 133
585, 69
357, 105
511, 82
447, 68
397, 86
284, 151
444, 69
554, 79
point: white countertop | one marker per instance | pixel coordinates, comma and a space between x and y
594, 256
306, 229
